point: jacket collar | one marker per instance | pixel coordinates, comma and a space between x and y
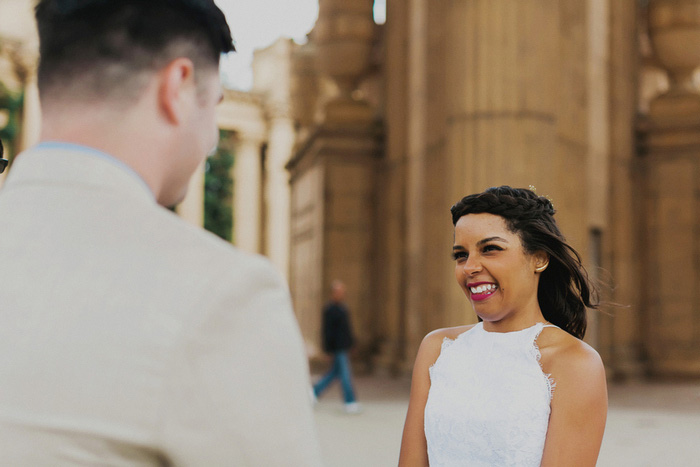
62, 163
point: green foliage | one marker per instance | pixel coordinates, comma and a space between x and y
218, 190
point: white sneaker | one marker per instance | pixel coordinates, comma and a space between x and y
353, 408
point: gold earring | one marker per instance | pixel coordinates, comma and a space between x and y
542, 268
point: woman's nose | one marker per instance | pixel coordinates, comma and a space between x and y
472, 266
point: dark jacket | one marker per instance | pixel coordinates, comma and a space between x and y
337, 333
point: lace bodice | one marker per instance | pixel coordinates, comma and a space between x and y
489, 400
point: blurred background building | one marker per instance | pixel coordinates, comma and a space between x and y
348, 151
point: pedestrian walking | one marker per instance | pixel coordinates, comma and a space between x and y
338, 339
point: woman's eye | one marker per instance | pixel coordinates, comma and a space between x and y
492, 248
459, 256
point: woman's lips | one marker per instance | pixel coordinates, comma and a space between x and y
481, 290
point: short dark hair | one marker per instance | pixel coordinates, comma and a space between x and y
564, 290
103, 47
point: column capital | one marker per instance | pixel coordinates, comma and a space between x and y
255, 138
242, 113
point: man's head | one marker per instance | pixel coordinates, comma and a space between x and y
337, 291
106, 49
138, 79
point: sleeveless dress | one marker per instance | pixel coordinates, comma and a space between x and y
489, 400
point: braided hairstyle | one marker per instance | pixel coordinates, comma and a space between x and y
564, 290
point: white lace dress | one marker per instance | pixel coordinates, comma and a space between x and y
489, 400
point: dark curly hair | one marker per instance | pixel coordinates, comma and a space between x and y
565, 290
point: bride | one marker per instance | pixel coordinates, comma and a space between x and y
520, 388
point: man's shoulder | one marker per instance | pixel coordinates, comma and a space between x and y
196, 247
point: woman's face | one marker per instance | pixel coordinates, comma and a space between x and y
495, 272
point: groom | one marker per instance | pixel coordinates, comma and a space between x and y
128, 337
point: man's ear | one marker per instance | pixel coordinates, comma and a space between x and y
177, 89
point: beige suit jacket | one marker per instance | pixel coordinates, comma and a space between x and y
128, 337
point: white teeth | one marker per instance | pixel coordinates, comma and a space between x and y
483, 288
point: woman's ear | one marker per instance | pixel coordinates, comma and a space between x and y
541, 261
177, 89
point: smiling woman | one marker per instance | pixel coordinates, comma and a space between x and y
485, 394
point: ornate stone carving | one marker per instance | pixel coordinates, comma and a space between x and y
674, 30
343, 37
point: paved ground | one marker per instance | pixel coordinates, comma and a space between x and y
648, 425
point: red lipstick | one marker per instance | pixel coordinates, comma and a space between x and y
480, 291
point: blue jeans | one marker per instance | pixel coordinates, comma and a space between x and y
340, 370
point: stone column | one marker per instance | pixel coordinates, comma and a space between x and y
598, 141
502, 117
272, 67
670, 140
620, 330
247, 193
502, 67
415, 309
279, 150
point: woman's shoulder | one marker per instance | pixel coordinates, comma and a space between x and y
566, 356
432, 343
437, 336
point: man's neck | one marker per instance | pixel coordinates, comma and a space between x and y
117, 135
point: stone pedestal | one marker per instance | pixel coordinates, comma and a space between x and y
333, 208
671, 210
669, 141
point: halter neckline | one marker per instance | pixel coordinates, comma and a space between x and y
543, 324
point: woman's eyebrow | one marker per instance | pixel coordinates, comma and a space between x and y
491, 239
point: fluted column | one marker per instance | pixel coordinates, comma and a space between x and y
247, 194
502, 115
502, 69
